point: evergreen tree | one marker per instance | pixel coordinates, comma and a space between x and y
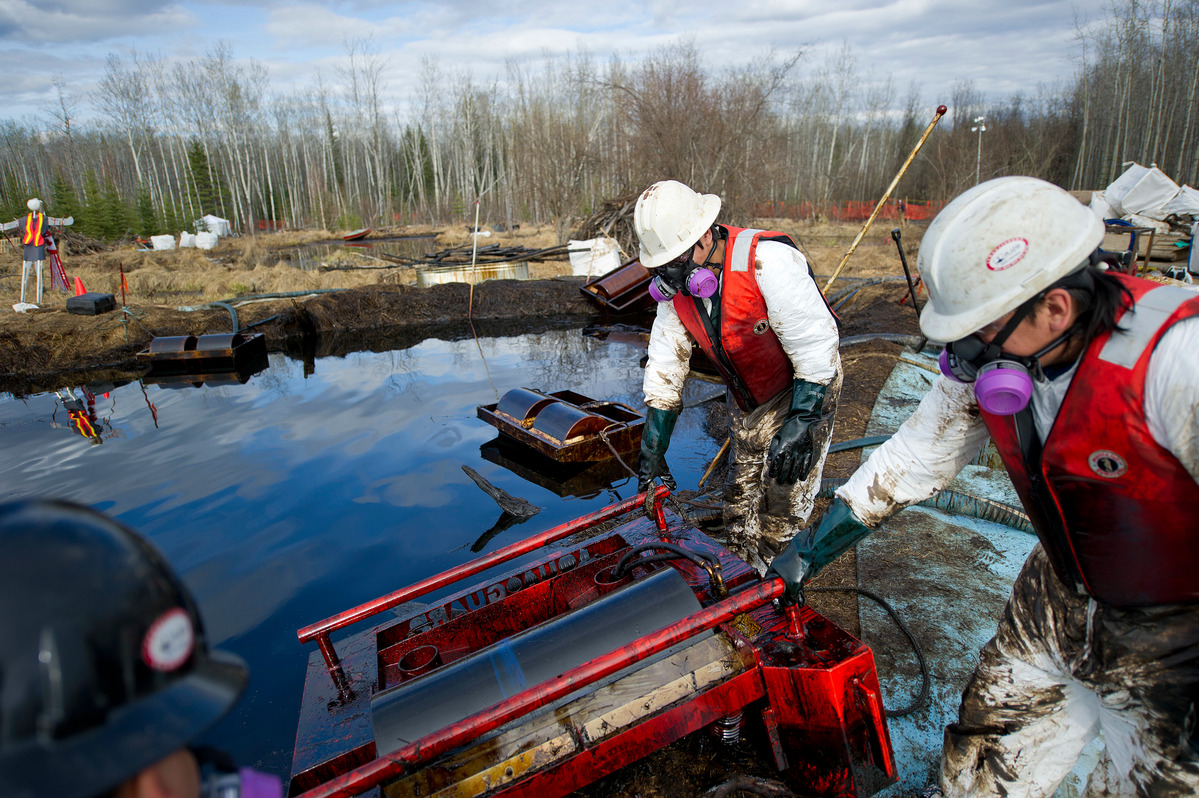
63, 202
148, 223
87, 221
208, 187
115, 221
15, 195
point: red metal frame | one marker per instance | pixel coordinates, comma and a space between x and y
321, 630
434, 745
814, 686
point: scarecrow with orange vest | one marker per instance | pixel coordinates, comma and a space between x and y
81, 414
748, 299
34, 234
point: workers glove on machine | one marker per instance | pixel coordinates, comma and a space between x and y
790, 457
655, 437
815, 547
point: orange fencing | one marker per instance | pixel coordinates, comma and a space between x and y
847, 211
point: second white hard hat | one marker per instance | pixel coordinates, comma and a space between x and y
669, 219
996, 246
34, 205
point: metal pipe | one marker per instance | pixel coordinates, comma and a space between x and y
434, 745
941, 109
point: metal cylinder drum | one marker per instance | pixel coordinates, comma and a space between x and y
425, 704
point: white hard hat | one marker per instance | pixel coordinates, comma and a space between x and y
669, 219
996, 246
34, 205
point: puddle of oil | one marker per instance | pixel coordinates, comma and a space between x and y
294, 496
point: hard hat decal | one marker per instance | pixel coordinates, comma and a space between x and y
1007, 254
1107, 464
170, 641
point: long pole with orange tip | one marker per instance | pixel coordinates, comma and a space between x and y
941, 109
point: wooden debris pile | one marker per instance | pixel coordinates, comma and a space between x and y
613, 219
459, 256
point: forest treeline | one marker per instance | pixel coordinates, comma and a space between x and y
178, 140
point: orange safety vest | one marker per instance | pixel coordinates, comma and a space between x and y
34, 222
745, 349
1114, 510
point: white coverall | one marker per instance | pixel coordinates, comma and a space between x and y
1062, 667
760, 515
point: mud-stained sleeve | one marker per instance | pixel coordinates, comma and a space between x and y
669, 360
797, 312
1172, 394
927, 452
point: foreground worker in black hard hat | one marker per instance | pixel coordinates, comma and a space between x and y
105, 672
1088, 383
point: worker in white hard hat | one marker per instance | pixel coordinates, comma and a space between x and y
1088, 383
748, 299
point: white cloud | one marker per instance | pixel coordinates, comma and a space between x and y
1001, 48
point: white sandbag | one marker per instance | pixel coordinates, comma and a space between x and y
206, 240
1099, 206
162, 242
593, 257
1141, 191
1138, 220
186, 239
1185, 203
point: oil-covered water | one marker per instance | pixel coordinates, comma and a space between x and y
293, 496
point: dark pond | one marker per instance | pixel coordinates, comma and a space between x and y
294, 496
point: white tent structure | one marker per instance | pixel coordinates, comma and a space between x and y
214, 224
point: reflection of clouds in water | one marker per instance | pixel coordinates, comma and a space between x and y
401, 490
287, 499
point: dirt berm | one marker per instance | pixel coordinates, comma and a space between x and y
44, 350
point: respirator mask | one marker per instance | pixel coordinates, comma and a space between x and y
220, 778
1002, 382
683, 274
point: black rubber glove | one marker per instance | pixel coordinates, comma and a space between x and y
791, 455
655, 437
813, 548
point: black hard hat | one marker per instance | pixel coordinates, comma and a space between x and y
104, 667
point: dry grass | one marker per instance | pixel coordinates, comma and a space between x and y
260, 264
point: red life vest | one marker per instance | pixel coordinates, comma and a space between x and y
1115, 511
745, 350
34, 222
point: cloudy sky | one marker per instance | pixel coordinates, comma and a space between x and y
1001, 47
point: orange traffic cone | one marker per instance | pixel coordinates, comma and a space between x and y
79, 289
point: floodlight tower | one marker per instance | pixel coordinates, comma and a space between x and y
978, 128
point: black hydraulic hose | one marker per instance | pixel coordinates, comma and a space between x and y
703, 560
925, 680
858, 443
899, 338
848, 291
232, 313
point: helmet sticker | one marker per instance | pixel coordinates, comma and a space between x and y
1107, 464
1007, 254
169, 641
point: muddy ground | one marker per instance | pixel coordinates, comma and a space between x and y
381, 309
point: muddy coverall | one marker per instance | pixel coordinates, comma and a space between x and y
1065, 666
760, 514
